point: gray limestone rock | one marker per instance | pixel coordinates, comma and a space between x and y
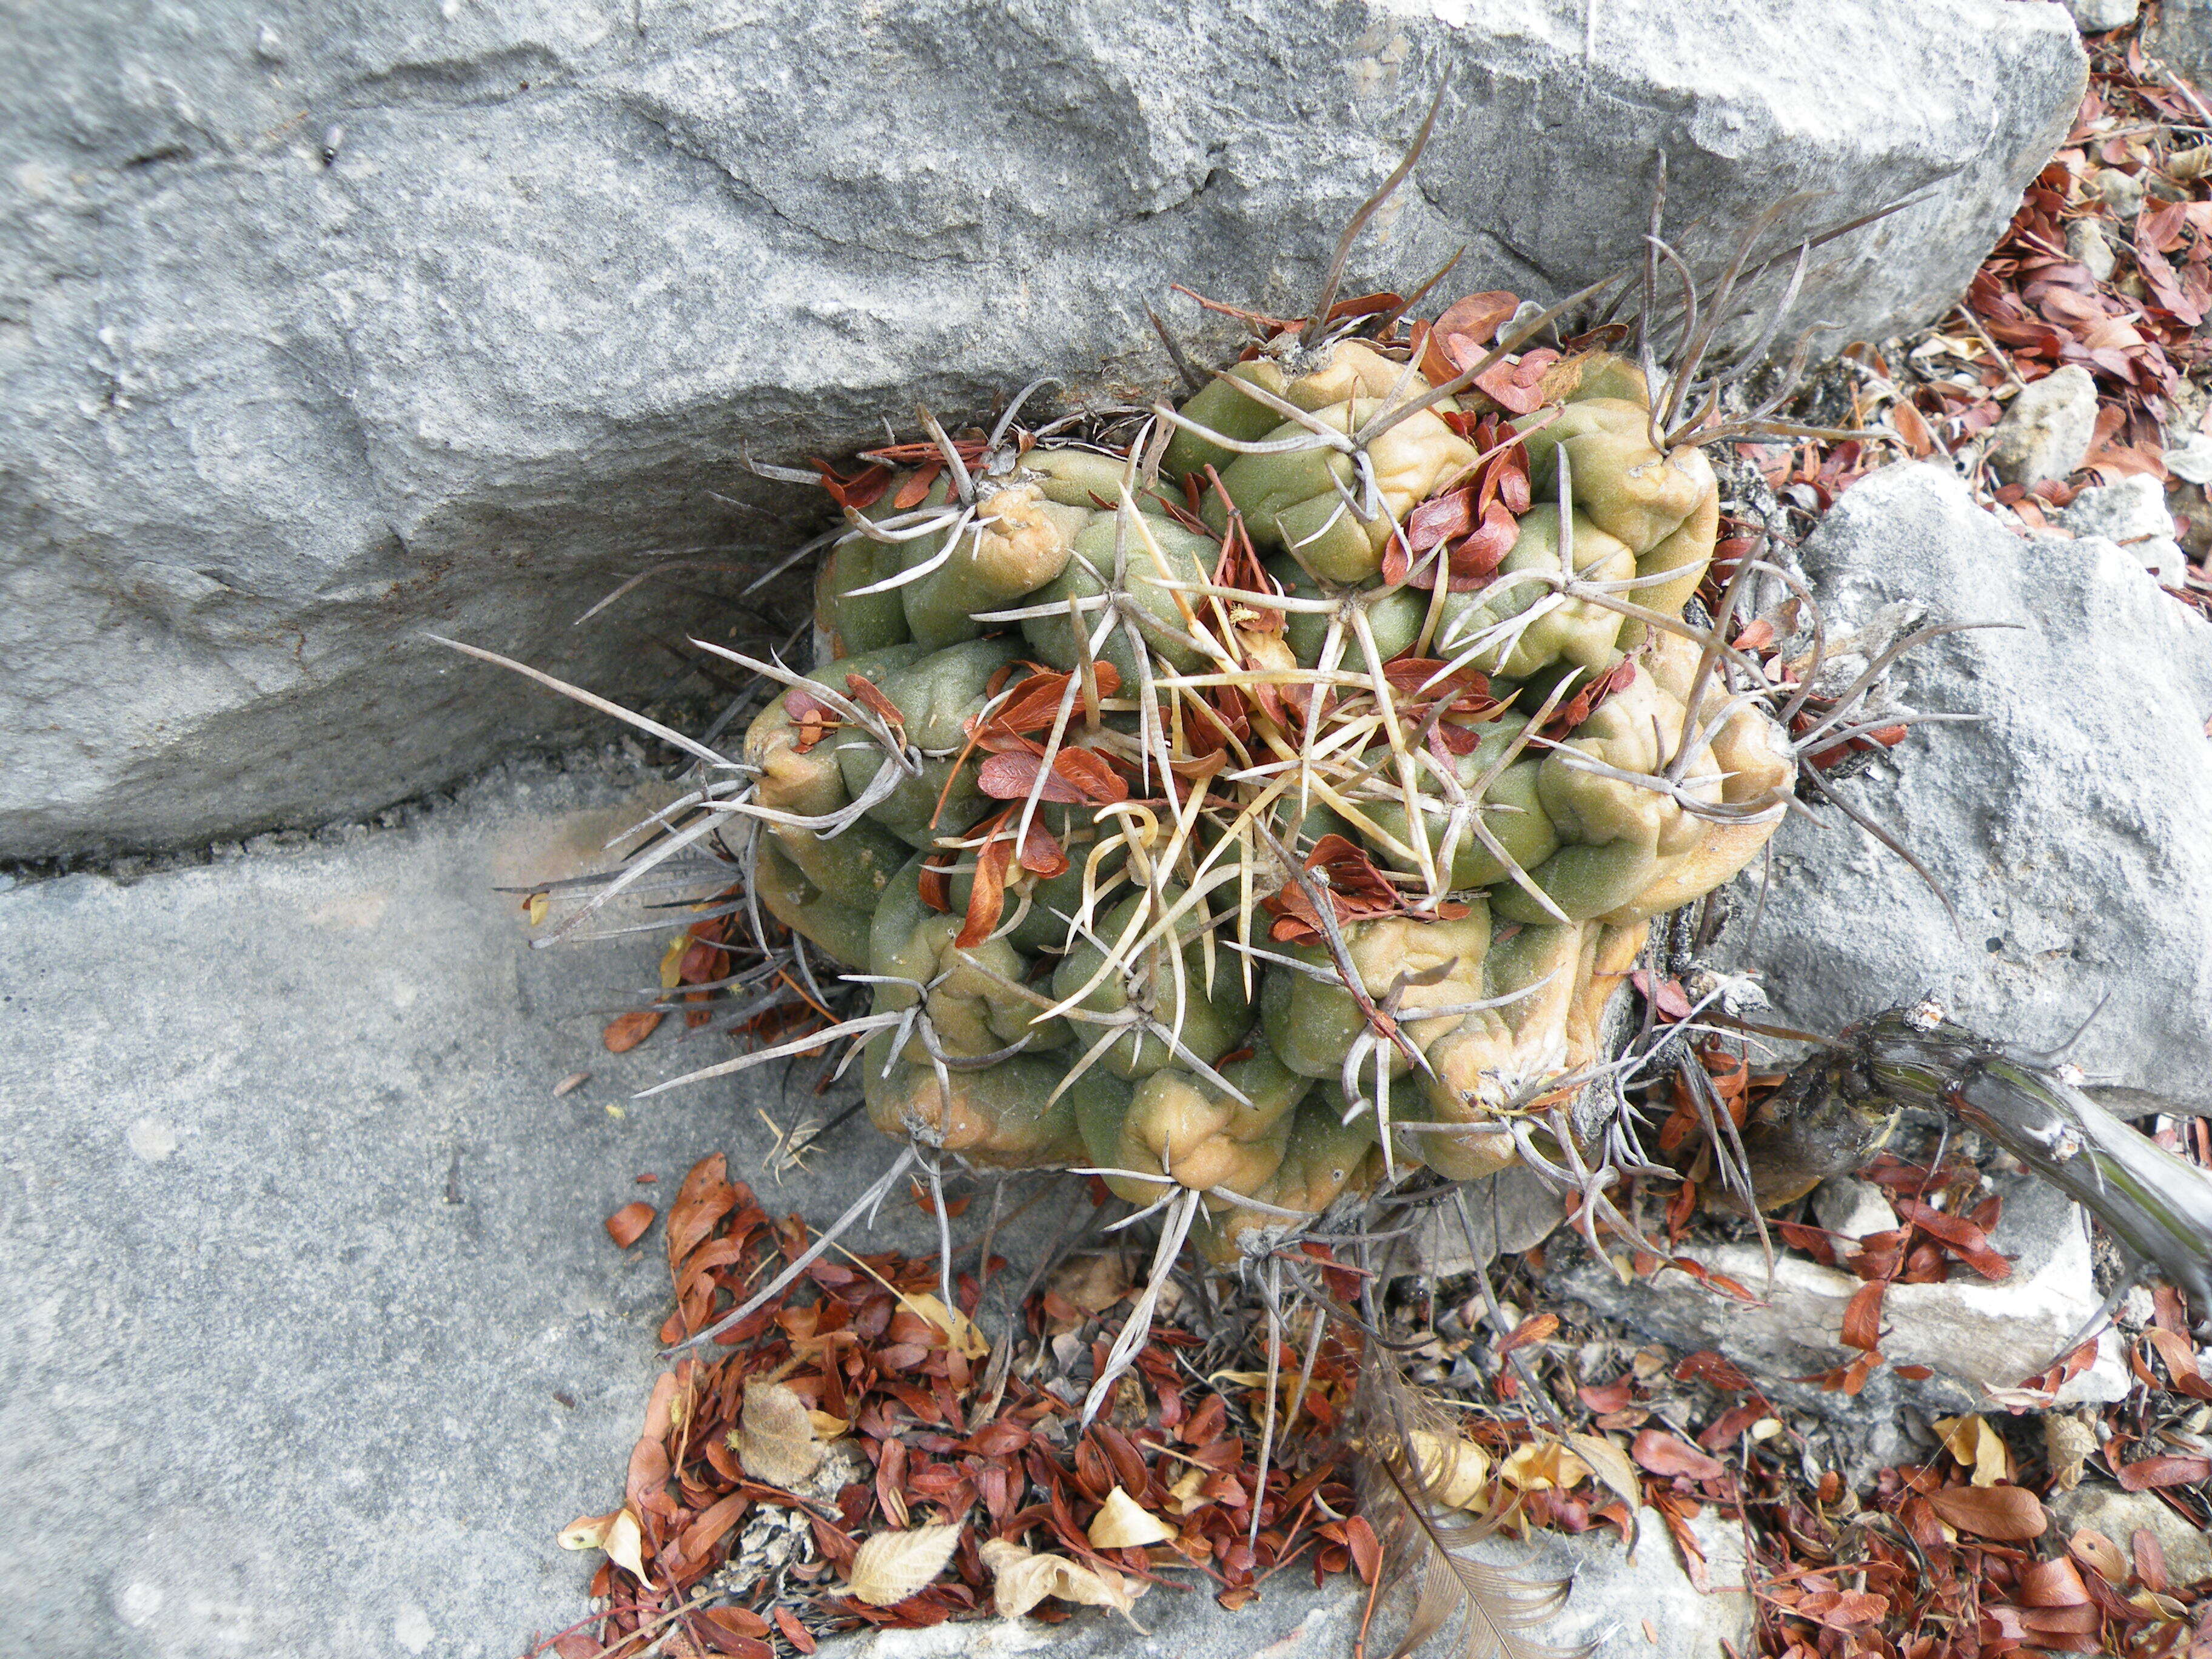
2096, 16
2189, 457
2067, 826
2086, 243
2131, 513
2119, 1514
324, 324
1506, 1213
2047, 429
2182, 37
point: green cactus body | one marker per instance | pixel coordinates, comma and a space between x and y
1145, 984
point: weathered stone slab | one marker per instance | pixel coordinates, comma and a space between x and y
322, 324
2067, 826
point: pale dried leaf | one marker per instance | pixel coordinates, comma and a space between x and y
588, 1532
1542, 1465
892, 1566
1618, 1470
1092, 1283
958, 1328
1980, 1449
1184, 1496
625, 1544
1123, 1524
774, 1440
826, 1426
1454, 1471
1021, 1580
1501, 1611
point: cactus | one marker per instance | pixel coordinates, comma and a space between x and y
1269, 807
1260, 802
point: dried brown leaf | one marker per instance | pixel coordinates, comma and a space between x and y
627, 1224
2011, 1515
1664, 1454
2093, 1549
625, 1032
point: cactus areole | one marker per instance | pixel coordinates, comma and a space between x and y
1263, 798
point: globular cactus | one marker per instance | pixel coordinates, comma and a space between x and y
1267, 807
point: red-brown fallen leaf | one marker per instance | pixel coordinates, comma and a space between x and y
925, 1202
793, 1631
730, 1642
1041, 854
864, 490
2147, 1473
2180, 1356
1961, 1237
627, 1224
704, 1199
1665, 995
1663, 1453
1473, 320
1366, 1549
1033, 706
1612, 1396
1357, 891
1843, 1609
1723, 1430
2011, 1515
2053, 1584
2150, 1559
865, 692
1579, 707
1713, 1369
1538, 1328
2062, 1621
738, 1621
1862, 1317
626, 1031
1078, 777
702, 1535
1913, 430
915, 490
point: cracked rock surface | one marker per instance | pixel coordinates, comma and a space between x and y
324, 323
2066, 825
